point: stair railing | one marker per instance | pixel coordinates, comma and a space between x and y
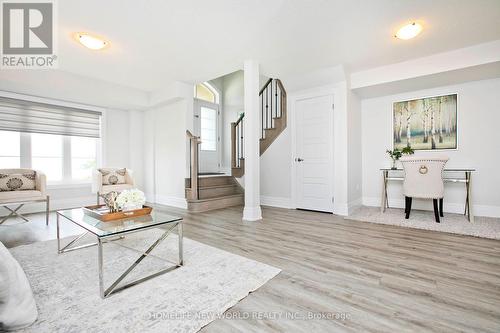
272, 98
237, 142
194, 144
272, 103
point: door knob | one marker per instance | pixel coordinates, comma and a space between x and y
299, 159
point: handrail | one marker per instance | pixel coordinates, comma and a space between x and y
282, 89
239, 119
191, 136
268, 82
265, 86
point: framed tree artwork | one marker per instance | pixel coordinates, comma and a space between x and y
426, 123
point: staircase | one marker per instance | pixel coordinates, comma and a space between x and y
215, 192
273, 121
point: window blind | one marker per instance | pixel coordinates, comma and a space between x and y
33, 117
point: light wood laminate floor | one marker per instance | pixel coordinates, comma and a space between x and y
383, 278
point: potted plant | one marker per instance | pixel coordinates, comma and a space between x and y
396, 154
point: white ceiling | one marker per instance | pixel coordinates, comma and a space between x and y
157, 41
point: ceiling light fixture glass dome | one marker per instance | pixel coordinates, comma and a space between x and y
409, 31
91, 42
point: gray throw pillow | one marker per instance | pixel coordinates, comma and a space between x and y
113, 176
18, 181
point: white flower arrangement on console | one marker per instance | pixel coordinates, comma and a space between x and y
131, 199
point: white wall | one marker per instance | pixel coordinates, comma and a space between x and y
136, 146
123, 142
165, 153
232, 91
478, 146
149, 149
232, 106
116, 140
122, 147
65, 86
340, 149
276, 171
354, 155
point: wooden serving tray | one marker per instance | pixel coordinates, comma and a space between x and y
101, 212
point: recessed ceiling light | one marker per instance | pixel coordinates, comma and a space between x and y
90, 41
409, 31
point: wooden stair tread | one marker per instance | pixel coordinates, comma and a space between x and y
217, 186
211, 181
218, 198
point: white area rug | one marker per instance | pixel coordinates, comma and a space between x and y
419, 219
66, 286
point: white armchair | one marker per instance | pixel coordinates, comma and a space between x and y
101, 186
424, 179
20, 196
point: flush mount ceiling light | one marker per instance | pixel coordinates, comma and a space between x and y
409, 31
90, 41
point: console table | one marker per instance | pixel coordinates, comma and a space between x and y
389, 174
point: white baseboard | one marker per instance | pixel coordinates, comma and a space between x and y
448, 207
281, 202
55, 204
171, 201
341, 209
252, 214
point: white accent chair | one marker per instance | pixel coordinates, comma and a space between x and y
22, 197
424, 180
99, 188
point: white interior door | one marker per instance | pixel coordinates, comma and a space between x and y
206, 126
314, 153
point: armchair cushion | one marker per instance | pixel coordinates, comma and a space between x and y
20, 196
117, 188
113, 176
18, 181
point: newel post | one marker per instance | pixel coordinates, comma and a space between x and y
233, 145
193, 165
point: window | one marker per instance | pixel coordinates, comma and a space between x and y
208, 128
83, 153
61, 141
10, 155
63, 159
47, 155
206, 92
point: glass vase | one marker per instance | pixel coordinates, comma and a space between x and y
393, 167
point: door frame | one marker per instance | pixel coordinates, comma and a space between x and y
198, 103
293, 99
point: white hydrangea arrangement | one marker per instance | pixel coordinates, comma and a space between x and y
131, 199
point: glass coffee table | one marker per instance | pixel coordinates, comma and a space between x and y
115, 230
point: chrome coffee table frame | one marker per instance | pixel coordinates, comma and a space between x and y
101, 239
